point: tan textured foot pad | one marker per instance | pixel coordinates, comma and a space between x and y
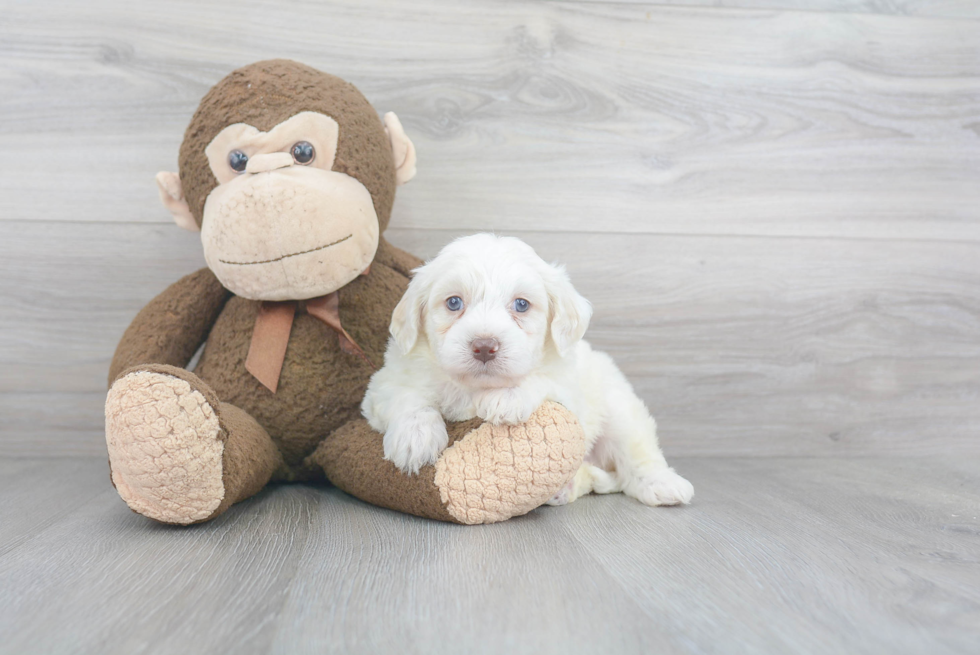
164, 448
497, 472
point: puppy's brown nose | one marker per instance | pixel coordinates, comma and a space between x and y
484, 349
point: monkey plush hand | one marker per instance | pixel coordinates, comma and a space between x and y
290, 176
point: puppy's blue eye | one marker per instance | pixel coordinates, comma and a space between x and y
521, 305
454, 304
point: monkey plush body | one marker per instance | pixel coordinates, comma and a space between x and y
289, 174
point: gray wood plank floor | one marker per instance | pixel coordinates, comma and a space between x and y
773, 205
776, 555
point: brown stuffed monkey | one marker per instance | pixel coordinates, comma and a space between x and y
290, 177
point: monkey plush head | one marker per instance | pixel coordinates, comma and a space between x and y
290, 176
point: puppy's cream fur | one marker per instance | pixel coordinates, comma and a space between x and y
431, 372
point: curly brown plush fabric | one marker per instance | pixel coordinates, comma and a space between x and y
171, 328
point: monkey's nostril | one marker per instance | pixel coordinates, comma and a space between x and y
485, 349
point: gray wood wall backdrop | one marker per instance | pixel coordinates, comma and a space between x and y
773, 204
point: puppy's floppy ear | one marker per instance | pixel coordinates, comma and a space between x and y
406, 320
570, 312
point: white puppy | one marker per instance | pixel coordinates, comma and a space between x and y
489, 329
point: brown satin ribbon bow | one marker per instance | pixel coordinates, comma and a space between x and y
274, 322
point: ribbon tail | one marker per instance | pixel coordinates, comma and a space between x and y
267, 351
327, 309
349, 346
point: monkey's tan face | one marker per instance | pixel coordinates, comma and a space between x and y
281, 224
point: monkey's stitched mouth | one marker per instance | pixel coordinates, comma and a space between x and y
295, 254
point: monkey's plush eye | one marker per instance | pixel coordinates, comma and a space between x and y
303, 152
454, 304
237, 160
521, 305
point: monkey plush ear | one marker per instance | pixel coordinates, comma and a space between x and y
402, 149
172, 197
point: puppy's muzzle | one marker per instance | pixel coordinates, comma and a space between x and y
484, 349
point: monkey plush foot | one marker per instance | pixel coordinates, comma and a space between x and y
165, 449
176, 453
499, 471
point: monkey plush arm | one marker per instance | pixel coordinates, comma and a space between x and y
173, 325
488, 473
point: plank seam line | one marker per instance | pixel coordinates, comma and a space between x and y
970, 241
758, 10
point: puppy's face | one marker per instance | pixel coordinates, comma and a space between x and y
489, 310
486, 321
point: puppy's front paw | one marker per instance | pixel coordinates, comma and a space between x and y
664, 487
511, 406
415, 440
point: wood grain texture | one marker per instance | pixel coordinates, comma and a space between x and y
775, 555
52, 424
584, 116
808, 556
38, 493
921, 8
739, 345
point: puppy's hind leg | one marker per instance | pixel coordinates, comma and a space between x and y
588, 479
631, 443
